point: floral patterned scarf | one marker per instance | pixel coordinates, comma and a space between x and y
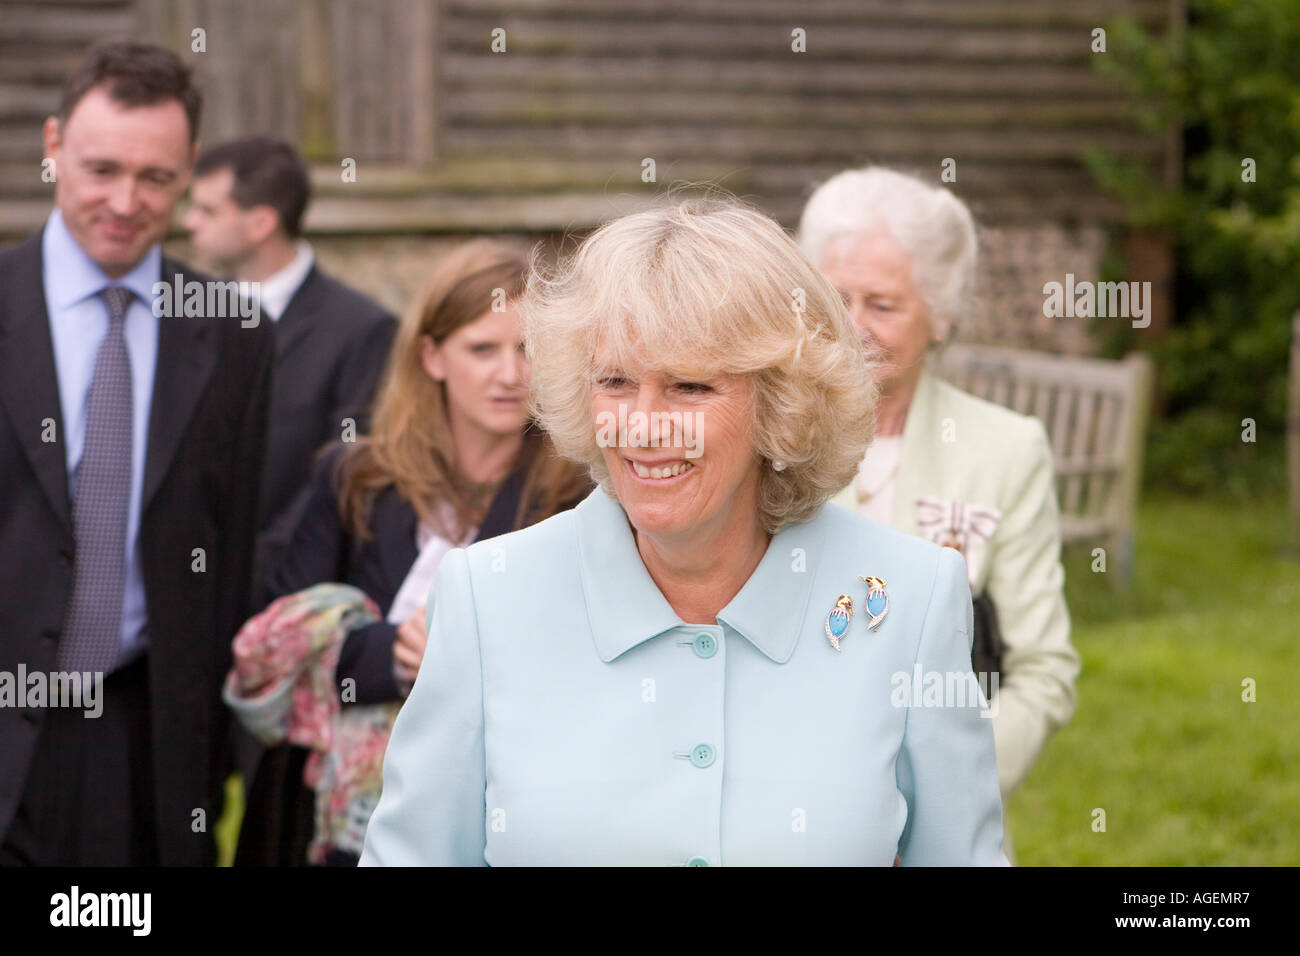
282, 688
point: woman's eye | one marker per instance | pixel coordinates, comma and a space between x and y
694, 387
482, 348
611, 381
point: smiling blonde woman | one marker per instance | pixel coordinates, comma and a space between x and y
699, 664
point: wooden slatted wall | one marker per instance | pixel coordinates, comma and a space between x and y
587, 89
1007, 88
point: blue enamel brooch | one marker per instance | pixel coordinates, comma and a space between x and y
837, 621
877, 602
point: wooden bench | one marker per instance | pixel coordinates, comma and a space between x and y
1095, 412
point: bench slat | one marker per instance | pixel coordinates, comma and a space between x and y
1094, 412
1080, 446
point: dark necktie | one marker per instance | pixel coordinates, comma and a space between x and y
92, 630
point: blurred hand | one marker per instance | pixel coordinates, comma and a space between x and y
408, 649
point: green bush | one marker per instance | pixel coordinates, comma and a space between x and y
1231, 81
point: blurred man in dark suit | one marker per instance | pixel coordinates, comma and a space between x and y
131, 450
331, 343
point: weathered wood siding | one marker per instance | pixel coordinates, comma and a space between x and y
552, 134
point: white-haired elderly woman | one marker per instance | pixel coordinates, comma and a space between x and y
702, 663
945, 465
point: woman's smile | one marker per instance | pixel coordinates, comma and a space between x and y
660, 473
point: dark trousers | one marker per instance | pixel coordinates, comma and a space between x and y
279, 817
89, 796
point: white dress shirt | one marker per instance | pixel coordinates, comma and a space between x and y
277, 290
433, 547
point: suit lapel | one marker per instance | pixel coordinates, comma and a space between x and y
394, 523
29, 383
185, 362
918, 458
296, 324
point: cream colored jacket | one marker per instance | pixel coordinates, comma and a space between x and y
959, 451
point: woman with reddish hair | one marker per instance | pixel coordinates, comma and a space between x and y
452, 457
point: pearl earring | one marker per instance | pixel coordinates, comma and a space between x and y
778, 466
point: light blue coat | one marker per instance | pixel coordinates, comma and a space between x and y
563, 714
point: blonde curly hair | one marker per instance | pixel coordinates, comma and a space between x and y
695, 289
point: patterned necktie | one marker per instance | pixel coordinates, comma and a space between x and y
92, 631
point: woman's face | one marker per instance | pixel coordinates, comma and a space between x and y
485, 370
874, 275
679, 451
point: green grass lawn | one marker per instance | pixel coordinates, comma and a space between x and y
1188, 773
227, 832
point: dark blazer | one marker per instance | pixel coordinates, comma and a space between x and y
207, 431
278, 822
331, 345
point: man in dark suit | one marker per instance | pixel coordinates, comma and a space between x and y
331, 343
132, 434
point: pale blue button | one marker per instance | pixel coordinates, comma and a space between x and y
704, 645
697, 861
702, 755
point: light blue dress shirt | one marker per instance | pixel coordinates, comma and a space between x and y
564, 714
78, 324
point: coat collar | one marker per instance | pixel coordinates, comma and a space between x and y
187, 358
301, 314
915, 457
277, 290
625, 607
29, 383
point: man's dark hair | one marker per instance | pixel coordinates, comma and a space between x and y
266, 172
134, 74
